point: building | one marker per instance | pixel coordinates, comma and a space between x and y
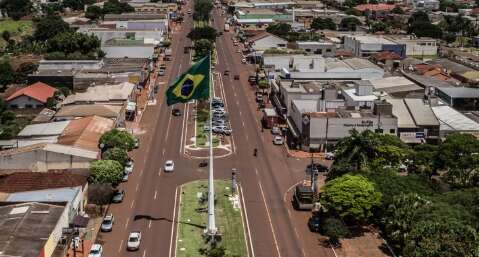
129, 48
359, 95
32, 96
31, 229
326, 49
365, 46
395, 86
85, 132
265, 41
452, 121
42, 157
311, 130
71, 112
103, 94
105, 34
160, 8
461, 98
377, 11
418, 46
426, 5
134, 16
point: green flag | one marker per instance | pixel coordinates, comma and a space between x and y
193, 84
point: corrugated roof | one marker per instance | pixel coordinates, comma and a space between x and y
421, 112
38, 91
394, 85
56, 148
401, 112
65, 194
85, 132
358, 63
460, 92
31, 181
451, 119
103, 93
44, 129
85, 110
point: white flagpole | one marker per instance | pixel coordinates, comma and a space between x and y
211, 187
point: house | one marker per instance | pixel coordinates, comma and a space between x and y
42, 157
461, 98
105, 34
117, 94
265, 41
85, 132
368, 45
378, 11
426, 5
32, 96
31, 229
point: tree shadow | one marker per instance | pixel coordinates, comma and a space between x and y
149, 217
385, 249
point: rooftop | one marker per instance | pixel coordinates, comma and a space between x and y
372, 39
374, 7
357, 98
452, 120
32, 181
401, 111
103, 93
38, 91
26, 227
421, 112
84, 110
460, 92
50, 147
44, 129
394, 84
85, 132
64, 194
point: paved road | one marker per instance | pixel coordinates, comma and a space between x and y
151, 196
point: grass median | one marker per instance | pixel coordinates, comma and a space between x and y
192, 221
202, 120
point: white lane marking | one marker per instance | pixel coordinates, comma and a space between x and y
156, 192
137, 185
237, 102
163, 152
256, 171
121, 244
168, 128
132, 202
173, 224
179, 70
127, 220
243, 124
269, 219
159, 172
247, 223
183, 127
144, 253
149, 224
240, 113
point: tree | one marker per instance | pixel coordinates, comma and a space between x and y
202, 10
202, 48
429, 238
458, 155
397, 10
351, 196
117, 154
117, 138
48, 27
279, 29
16, 9
205, 32
420, 25
22, 72
100, 194
379, 26
79, 45
334, 229
106, 172
319, 24
94, 12
349, 23
6, 35
76, 5
116, 7
6, 73
263, 84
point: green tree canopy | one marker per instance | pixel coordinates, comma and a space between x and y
334, 229
397, 10
48, 27
379, 26
202, 48
320, 24
100, 194
6, 74
205, 32
16, 9
279, 29
117, 138
106, 172
116, 7
429, 238
350, 23
22, 72
459, 156
420, 25
75, 43
94, 12
351, 196
117, 154
202, 10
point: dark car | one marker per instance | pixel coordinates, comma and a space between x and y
118, 196
236, 77
176, 112
314, 223
227, 72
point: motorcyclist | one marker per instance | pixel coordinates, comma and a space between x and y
255, 152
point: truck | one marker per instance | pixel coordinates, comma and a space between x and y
303, 197
227, 27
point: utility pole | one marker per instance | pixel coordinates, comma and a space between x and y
211, 229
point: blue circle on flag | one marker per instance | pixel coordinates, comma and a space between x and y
187, 87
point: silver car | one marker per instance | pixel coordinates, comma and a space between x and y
107, 224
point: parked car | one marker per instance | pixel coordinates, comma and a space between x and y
227, 131
314, 223
275, 131
125, 177
226, 73
176, 112
236, 77
278, 140
217, 105
329, 156
161, 72
219, 111
130, 164
169, 166
259, 98
96, 251
107, 223
137, 142
118, 196
134, 240
219, 123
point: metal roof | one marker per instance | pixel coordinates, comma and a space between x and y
421, 112
401, 112
65, 194
460, 92
44, 129
451, 119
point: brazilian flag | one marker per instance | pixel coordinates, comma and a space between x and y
193, 84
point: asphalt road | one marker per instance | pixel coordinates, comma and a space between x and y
151, 194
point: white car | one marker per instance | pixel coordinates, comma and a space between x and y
329, 156
129, 167
219, 111
96, 251
134, 240
169, 166
276, 131
243, 60
278, 140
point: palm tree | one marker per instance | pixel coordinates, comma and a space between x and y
357, 149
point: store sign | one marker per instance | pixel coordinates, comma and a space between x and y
364, 123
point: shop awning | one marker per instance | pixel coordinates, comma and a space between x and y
292, 128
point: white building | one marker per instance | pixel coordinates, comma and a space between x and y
265, 41
359, 95
426, 5
327, 49
367, 45
418, 46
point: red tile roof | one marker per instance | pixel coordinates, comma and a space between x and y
38, 91
85, 132
374, 7
386, 55
31, 181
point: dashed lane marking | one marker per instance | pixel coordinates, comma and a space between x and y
173, 224
156, 192
126, 223
144, 253
132, 203
269, 219
149, 224
137, 185
121, 244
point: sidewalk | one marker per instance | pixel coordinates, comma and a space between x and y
303, 154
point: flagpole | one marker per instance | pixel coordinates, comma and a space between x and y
211, 187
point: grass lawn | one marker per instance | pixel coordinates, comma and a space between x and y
16, 29
202, 136
192, 223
